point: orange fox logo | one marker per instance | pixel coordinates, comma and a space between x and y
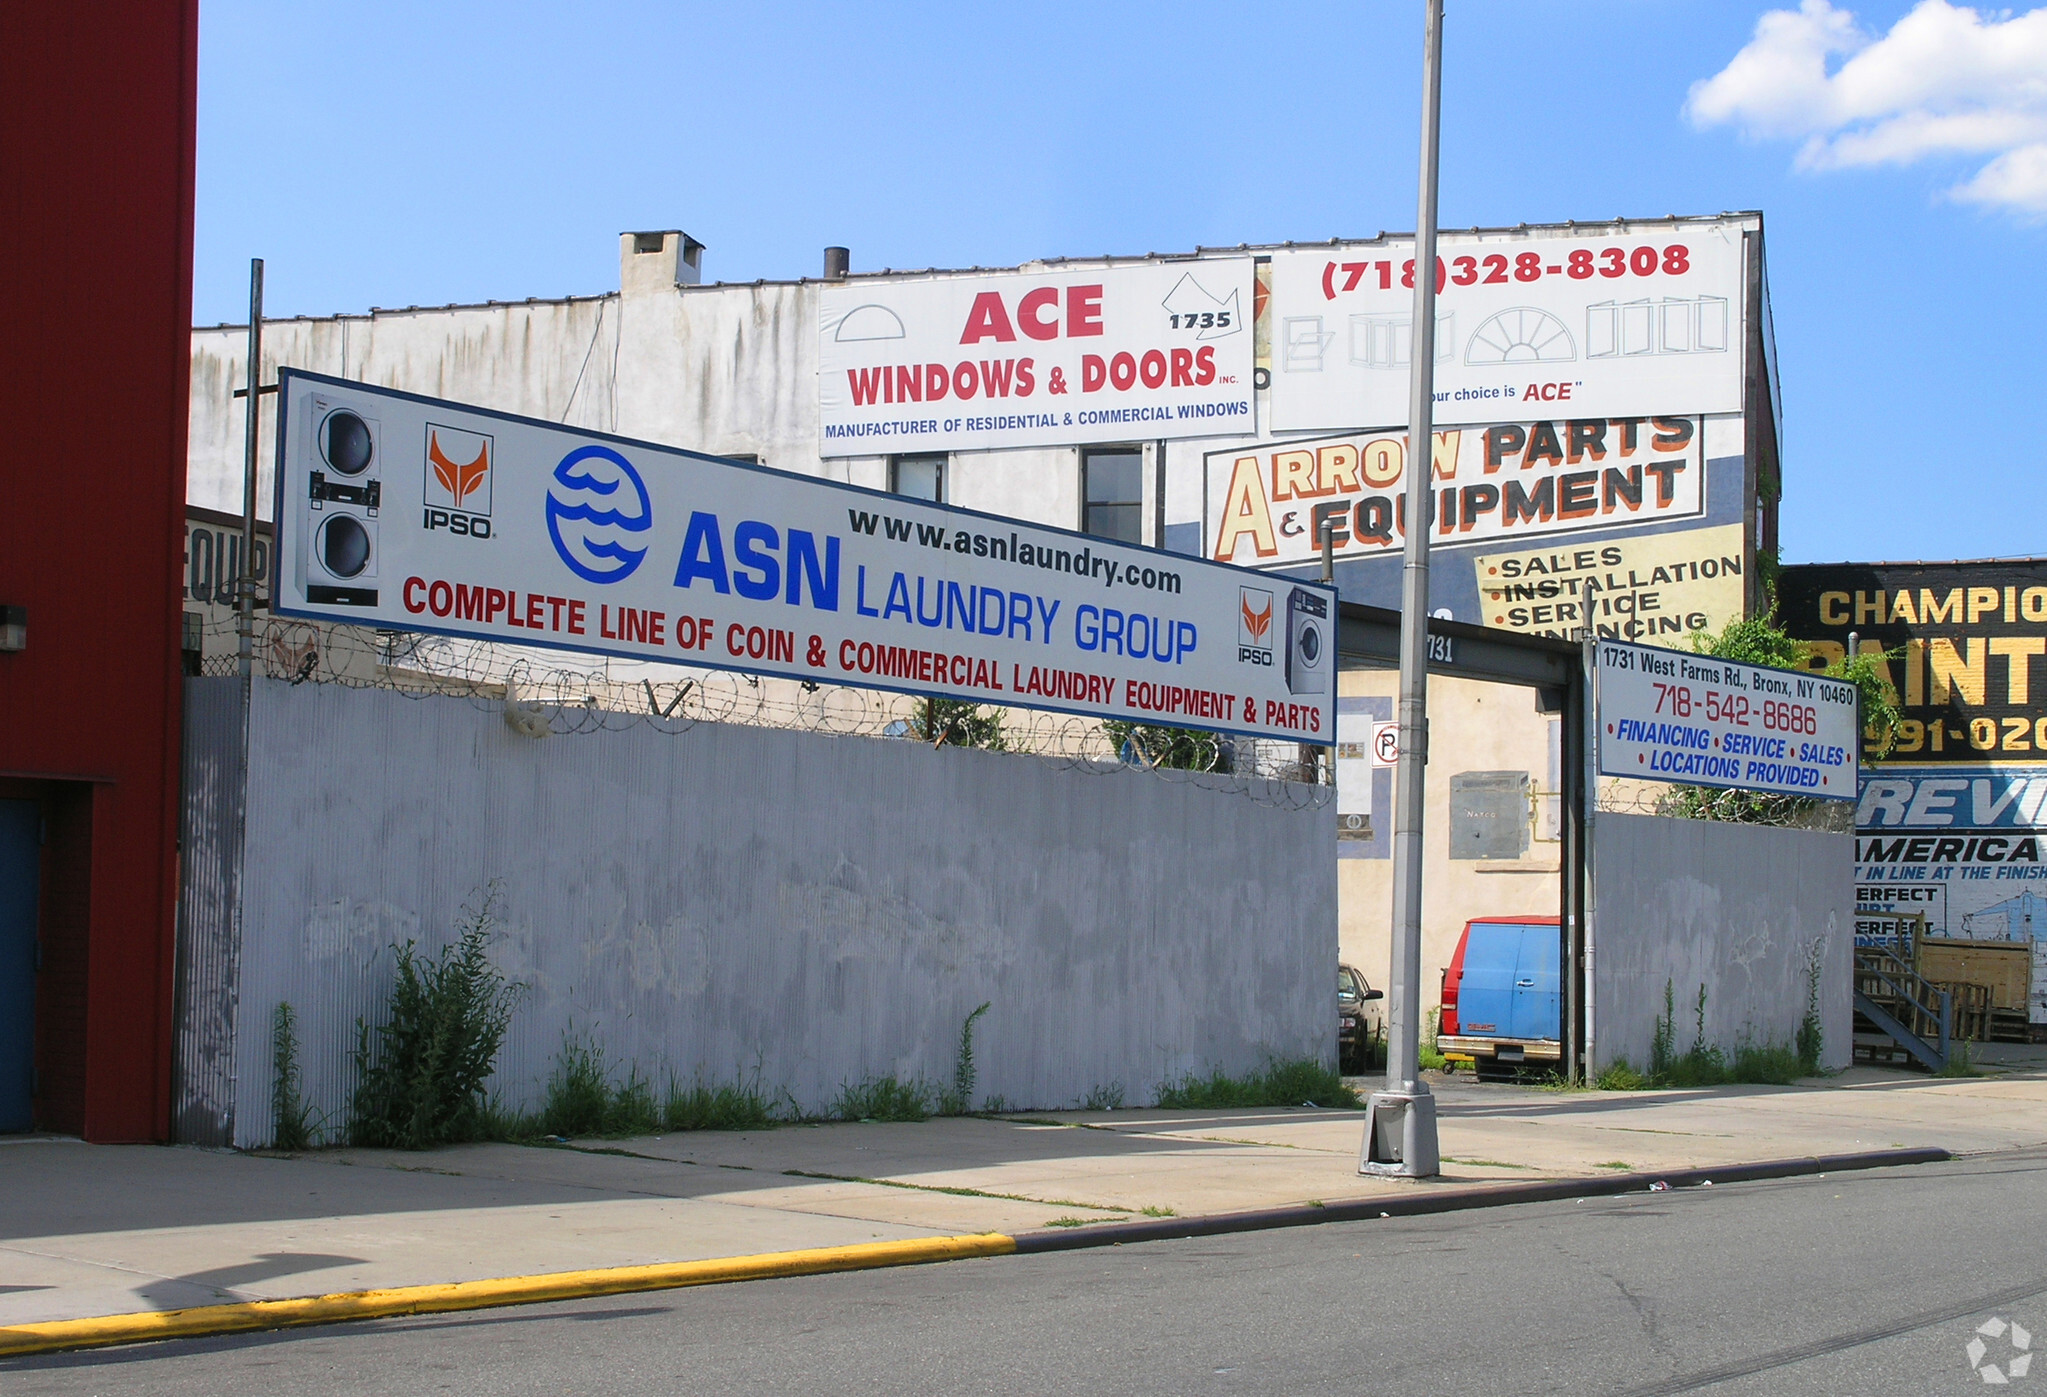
1256, 623
458, 479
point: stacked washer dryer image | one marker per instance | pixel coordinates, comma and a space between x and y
1308, 647
343, 493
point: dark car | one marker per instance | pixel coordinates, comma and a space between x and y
1357, 1024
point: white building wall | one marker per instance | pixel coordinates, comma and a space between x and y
731, 370
546, 359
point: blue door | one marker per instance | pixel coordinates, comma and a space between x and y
1538, 1005
20, 870
1485, 996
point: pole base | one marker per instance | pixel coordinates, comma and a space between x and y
1400, 1136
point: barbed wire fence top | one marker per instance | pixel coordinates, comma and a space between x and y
1629, 795
545, 692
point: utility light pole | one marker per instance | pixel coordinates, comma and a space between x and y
245, 585
1400, 1122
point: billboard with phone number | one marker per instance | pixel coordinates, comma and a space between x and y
1666, 715
413, 513
1585, 321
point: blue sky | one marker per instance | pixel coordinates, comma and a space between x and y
387, 155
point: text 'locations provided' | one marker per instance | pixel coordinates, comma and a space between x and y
1664, 715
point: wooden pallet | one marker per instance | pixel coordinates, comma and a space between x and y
2008, 1026
1969, 1012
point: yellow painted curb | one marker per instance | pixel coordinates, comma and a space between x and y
54, 1335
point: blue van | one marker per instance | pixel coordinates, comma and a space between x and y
1502, 995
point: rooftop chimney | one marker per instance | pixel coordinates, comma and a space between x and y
658, 260
837, 261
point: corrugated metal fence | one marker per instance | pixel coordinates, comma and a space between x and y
731, 902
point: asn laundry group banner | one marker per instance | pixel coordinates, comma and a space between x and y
407, 512
1589, 322
1266, 504
1666, 715
954, 363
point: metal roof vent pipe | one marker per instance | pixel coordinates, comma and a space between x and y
837, 261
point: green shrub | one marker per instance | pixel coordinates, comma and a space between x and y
1299, 1082
420, 1075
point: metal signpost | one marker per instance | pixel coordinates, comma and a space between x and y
1400, 1122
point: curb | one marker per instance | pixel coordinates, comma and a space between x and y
245, 1316
21, 1340
1460, 1200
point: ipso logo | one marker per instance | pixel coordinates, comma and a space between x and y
2012, 1358
595, 505
1254, 626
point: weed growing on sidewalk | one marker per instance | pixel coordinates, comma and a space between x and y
582, 1100
1618, 1076
883, 1099
420, 1076
1961, 1062
1429, 1057
1810, 1039
1770, 1064
960, 1099
1705, 1065
1106, 1097
288, 1108
699, 1106
1300, 1082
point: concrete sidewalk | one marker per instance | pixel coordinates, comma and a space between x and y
92, 1230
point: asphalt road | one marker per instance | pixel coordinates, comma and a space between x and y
1865, 1283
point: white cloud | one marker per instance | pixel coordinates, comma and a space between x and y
1946, 81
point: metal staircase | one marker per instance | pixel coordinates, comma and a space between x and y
1904, 1006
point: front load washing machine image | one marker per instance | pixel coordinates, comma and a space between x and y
1308, 642
344, 491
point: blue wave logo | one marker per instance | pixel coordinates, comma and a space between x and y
595, 506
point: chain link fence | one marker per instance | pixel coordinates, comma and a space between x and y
545, 693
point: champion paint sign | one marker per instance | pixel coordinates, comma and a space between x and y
411, 513
951, 363
1582, 321
1665, 715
